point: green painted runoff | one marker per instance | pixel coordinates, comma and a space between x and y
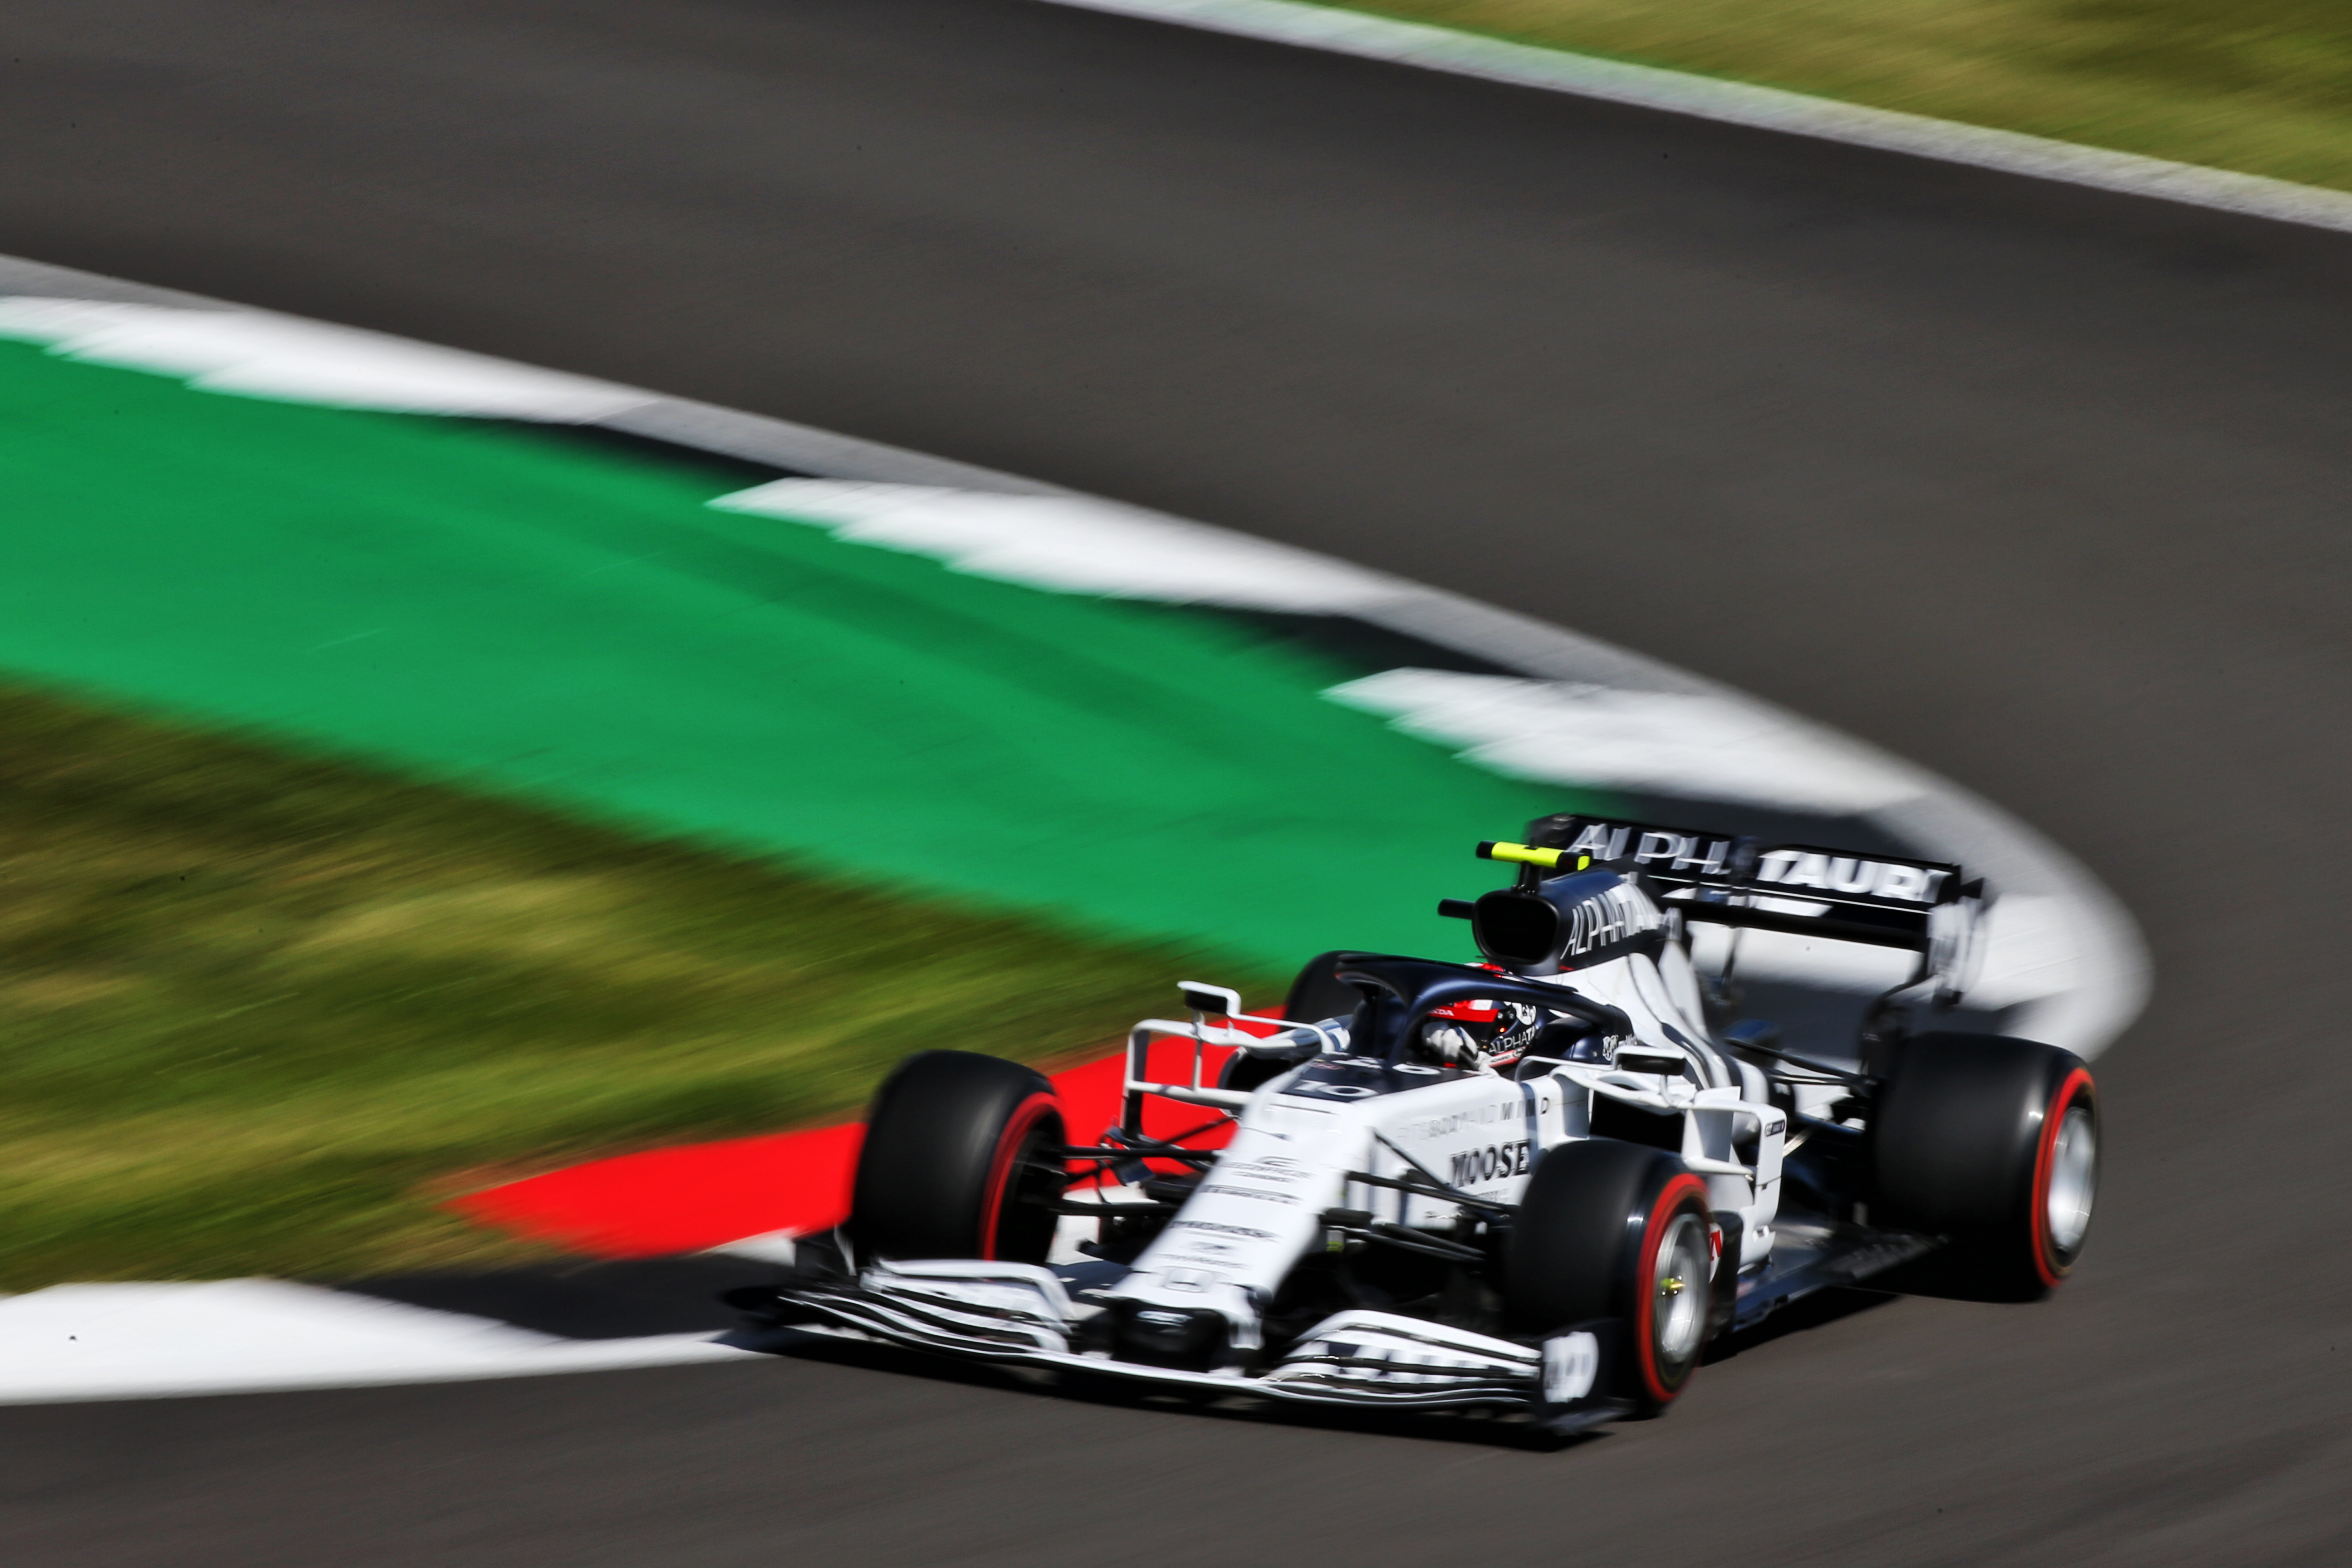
537, 616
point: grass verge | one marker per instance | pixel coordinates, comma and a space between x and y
2261, 86
261, 1011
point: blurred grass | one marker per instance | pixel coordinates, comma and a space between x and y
2261, 86
258, 1012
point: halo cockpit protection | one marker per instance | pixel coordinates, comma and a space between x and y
1402, 995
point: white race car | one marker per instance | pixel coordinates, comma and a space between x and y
1540, 1183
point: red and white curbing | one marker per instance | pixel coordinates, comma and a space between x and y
2062, 950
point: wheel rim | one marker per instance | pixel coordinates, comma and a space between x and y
1678, 1294
2073, 1180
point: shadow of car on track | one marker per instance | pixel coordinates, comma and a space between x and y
1481, 1428
584, 1298
1477, 1427
1813, 1312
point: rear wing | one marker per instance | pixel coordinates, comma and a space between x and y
1843, 895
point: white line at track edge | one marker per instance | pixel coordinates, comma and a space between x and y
71, 1343
1367, 36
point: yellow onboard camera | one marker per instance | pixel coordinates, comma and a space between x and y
1528, 855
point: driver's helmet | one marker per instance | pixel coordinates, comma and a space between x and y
1477, 1034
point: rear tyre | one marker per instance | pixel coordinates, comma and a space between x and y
1617, 1230
958, 1161
1993, 1144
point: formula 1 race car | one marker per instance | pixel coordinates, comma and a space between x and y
1539, 1183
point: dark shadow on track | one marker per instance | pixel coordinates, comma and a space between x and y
1482, 1429
1817, 1311
617, 1301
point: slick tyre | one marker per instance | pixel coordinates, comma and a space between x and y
1617, 1230
958, 1161
1992, 1143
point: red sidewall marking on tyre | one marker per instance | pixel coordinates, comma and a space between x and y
2078, 1085
700, 1196
1025, 1116
1645, 1280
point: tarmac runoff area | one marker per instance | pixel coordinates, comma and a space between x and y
1546, 706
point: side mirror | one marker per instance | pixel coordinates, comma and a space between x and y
1214, 1001
1650, 1059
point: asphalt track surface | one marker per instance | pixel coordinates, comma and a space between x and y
2044, 488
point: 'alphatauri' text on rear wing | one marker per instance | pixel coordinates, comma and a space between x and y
1845, 895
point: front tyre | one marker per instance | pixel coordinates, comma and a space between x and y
1617, 1230
960, 1161
1992, 1142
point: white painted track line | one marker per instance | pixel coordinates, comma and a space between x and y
257, 353
75, 1342
1739, 103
